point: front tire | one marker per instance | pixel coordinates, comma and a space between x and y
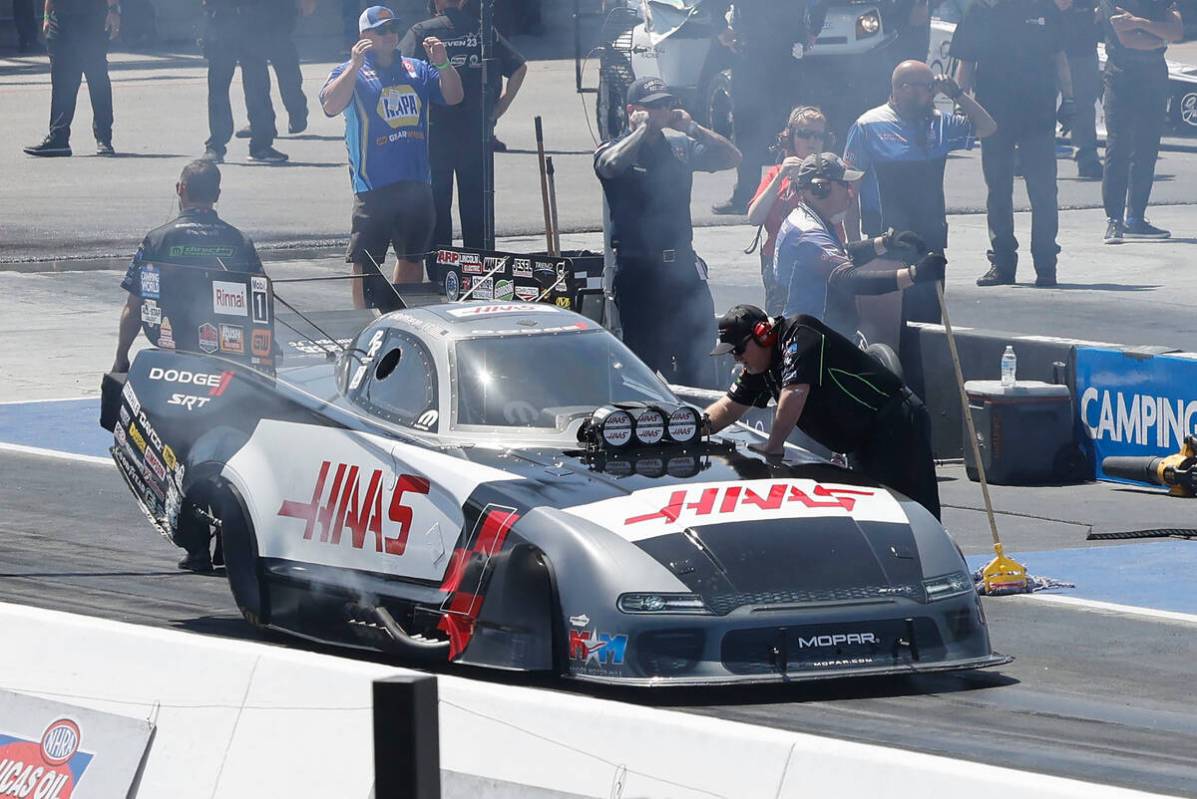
717, 104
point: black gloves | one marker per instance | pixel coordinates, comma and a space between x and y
947, 87
929, 269
903, 245
1065, 113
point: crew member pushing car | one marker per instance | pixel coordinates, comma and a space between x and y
834, 392
665, 306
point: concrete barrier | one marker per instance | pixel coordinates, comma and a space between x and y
241, 718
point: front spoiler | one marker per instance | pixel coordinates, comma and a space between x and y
988, 661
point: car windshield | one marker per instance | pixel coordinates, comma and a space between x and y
546, 381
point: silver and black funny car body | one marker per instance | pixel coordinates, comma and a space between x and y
437, 486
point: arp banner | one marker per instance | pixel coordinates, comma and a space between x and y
1135, 405
49, 750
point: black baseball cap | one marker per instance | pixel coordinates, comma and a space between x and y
649, 91
736, 326
827, 166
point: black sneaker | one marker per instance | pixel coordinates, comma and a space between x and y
1113, 232
213, 155
199, 562
243, 133
104, 148
49, 148
732, 207
1089, 170
1142, 229
996, 277
1046, 281
297, 125
268, 155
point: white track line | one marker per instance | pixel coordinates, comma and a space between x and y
54, 453
1110, 607
54, 399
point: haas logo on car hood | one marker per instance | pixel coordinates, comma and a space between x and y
671, 509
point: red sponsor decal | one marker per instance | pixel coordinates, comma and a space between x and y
353, 500
260, 342
448, 257
724, 500
49, 769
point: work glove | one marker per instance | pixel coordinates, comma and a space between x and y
931, 268
947, 87
1065, 114
903, 245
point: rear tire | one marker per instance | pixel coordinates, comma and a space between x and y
241, 562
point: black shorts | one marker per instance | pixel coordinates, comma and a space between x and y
399, 214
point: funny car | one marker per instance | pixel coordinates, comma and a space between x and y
505, 485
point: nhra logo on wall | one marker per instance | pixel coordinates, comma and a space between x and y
47, 769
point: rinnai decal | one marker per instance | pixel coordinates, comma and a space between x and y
601, 649
216, 383
670, 509
228, 299
47, 769
353, 503
1132, 405
492, 310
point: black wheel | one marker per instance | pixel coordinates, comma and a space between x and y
241, 561
716, 108
886, 355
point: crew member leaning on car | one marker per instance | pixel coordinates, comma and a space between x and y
834, 392
193, 238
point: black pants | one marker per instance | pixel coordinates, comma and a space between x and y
25, 20
668, 317
764, 86
224, 52
455, 152
1135, 102
898, 453
78, 49
280, 50
1036, 147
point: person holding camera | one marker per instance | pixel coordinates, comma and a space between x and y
647, 175
805, 133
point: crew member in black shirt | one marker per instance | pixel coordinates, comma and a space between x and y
1081, 35
1012, 51
660, 287
1136, 85
455, 131
831, 390
77, 35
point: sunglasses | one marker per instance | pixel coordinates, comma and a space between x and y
385, 28
739, 349
809, 134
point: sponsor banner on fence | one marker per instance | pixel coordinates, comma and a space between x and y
50, 750
1131, 404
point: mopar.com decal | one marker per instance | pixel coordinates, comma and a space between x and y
1135, 405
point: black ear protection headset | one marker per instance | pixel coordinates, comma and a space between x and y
819, 187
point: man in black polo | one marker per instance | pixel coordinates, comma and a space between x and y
1136, 86
455, 131
665, 306
831, 390
1012, 51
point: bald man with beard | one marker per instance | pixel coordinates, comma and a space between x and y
902, 147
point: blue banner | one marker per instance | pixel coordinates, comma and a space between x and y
1136, 405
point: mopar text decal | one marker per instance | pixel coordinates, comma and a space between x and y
671, 509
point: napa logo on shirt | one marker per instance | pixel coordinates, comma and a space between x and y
399, 106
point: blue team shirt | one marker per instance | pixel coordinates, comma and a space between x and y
386, 125
807, 252
881, 141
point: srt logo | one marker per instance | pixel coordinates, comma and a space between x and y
723, 500
820, 641
344, 505
602, 648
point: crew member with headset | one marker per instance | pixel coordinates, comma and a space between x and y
454, 144
820, 275
665, 306
834, 392
196, 237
